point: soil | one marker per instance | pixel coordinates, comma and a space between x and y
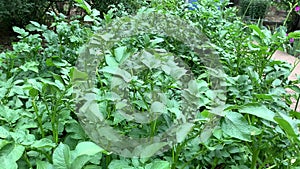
7, 36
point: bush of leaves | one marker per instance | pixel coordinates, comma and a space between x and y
40, 129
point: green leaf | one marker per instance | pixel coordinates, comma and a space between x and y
258, 110
87, 148
84, 5
8, 163
120, 53
151, 149
236, 126
77, 75
119, 164
88, 18
156, 41
3, 143
43, 165
33, 66
10, 154
158, 164
257, 30
117, 72
20, 31
9, 115
111, 61
62, 157
16, 153
295, 34
43, 143
288, 125
3, 132
80, 161
183, 131
149, 60
158, 107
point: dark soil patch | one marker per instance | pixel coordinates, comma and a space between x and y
7, 36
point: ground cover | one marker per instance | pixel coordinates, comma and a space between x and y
164, 88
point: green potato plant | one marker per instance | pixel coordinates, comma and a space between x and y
257, 129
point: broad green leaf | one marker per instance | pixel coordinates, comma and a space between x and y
20, 31
16, 153
43, 165
8, 115
79, 162
33, 66
78, 75
156, 41
57, 84
183, 131
87, 148
16, 90
151, 149
295, 34
84, 5
158, 107
158, 164
117, 72
8, 163
34, 84
236, 126
4, 143
120, 53
288, 125
43, 143
3, 132
92, 167
84, 152
88, 18
119, 164
149, 60
258, 110
177, 73
140, 103
111, 61
264, 96
257, 30
62, 157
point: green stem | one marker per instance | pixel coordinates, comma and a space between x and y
175, 156
287, 17
39, 118
255, 152
25, 157
297, 102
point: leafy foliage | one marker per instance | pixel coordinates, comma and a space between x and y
39, 123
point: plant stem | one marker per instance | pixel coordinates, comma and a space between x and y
291, 10
25, 157
297, 102
39, 118
256, 152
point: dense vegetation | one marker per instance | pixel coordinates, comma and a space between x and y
202, 80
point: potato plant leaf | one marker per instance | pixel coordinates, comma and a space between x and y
258, 110
236, 126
